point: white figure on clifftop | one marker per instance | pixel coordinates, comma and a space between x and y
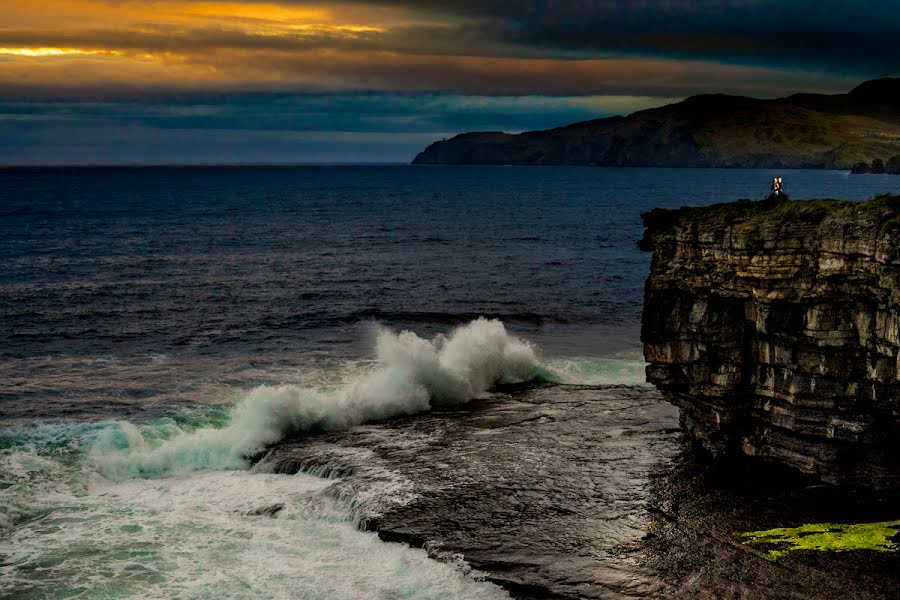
776, 186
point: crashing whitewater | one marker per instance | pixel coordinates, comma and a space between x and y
165, 507
412, 375
131, 509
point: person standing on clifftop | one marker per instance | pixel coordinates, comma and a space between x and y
776, 186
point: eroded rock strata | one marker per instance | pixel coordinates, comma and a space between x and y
774, 327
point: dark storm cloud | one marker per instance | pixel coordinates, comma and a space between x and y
517, 47
861, 35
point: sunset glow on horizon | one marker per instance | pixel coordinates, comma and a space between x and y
41, 52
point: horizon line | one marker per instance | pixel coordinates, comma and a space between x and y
200, 164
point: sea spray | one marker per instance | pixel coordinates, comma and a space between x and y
412, 375
203, 536
42, 465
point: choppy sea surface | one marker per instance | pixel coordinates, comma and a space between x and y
160, 326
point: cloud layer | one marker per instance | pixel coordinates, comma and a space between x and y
410, 68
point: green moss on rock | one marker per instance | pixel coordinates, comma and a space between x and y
831, 537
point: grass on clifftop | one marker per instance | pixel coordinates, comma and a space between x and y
827, 537
815, 210
881, 211
819, 209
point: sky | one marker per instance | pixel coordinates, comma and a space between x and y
206, 81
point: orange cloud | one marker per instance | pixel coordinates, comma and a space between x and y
45, 52
66, 48
98, 14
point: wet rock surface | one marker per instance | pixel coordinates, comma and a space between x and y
267, 511
575, 492
775, 328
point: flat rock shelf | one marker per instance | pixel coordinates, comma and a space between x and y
584, 492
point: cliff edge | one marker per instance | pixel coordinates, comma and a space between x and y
774, 327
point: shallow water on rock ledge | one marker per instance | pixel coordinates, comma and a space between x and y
591, 492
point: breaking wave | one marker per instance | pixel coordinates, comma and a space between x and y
412, 375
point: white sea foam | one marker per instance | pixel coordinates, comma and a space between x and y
197, 537
621, 369
412, 374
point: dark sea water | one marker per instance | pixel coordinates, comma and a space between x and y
147, 313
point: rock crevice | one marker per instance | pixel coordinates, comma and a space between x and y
774, 327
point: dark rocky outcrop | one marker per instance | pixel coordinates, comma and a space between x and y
543, 492
893, 166
775, 328
878, 167
271, 510
577, 492
714, 130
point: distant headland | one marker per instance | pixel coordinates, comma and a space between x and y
858, 129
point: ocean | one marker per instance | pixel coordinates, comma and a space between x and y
162, 326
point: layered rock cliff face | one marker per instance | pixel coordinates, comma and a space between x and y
774, 327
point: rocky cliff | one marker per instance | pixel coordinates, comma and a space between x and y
774, 327
714, 130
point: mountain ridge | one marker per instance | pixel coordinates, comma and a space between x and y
708, 130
